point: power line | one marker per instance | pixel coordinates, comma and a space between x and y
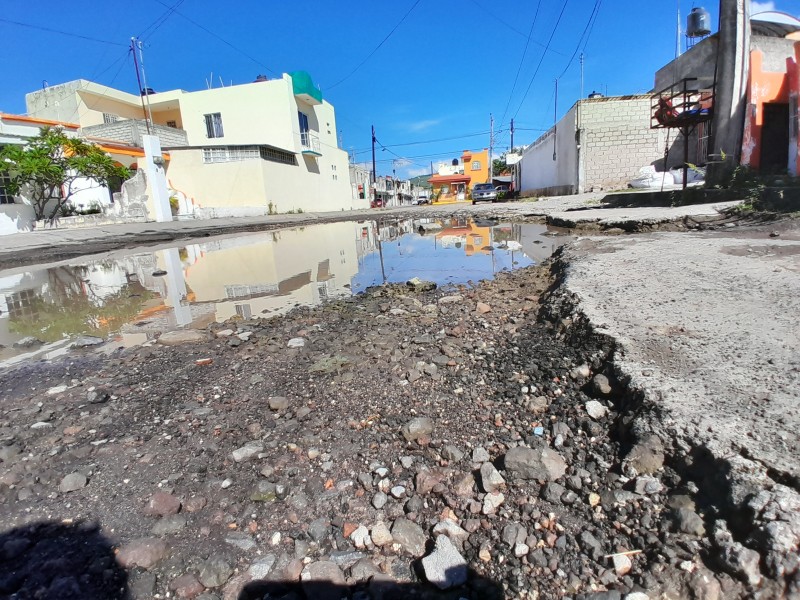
592, 17
220, 38
155, 25
446, 139
521, 62
549, 41
58, 31
512, 28
383, 41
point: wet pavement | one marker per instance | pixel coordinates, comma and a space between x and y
131, 298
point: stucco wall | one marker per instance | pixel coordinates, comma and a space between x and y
15, 218
540, 173
697, 62
130, 131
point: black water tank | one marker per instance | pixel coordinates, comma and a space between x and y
698, 23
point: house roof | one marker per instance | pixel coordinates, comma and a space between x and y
774, 23
449, 178
35, 121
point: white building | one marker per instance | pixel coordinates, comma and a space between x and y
269, 146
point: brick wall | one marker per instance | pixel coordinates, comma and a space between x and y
617, 140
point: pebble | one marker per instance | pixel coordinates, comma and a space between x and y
72, 483
540, 463
182, 336
491, 480
249, 450
380, 534
162, 504
409, 536
144, 552
297, 342
216, 570
480, 455
445, 567
492, 501
379, 500
596, 410
277, 403
417, 428
360, 537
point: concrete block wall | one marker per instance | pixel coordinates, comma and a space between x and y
130, 131
617, 140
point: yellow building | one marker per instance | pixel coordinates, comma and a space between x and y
453, 183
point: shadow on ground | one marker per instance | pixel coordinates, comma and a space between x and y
51, 560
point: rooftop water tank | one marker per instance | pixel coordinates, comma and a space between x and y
595, 95
698, 23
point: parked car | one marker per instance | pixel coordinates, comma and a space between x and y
483, 191
376, 203
421, 200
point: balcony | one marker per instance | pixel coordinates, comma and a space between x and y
309, 143
130, 131
304, 88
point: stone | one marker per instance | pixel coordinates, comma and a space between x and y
261, 568
688, 521
492, 501
241, 541
144, 552
464, 485
379, 500
742, 562
646, 457
513, 534
480, 455
168, 524
380, 534
453, 299
581, 372
540, 463
194, 504
182, 336
398, 491
277, 403
186, 586
521, 550
637, 596
360, 537
445, 567
319, 529
590, 545
162, 504
553, 492
418, 285
247, 451
417, 428
596, 409
297, 342
482, 308
409, 536
622, 564
72, 483
645, 485
364, 570
451, 530
9, 453
601, 385
317, 577
87, 341
452, 453
491, 480
215, 571
142, 585
27, 342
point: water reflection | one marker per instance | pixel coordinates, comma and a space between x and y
133, 298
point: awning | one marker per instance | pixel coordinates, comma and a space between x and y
449, 179
127, 150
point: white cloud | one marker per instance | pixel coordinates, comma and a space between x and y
419, 171
424, 124
759, 7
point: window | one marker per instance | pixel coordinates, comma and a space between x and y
280, 156
214, 125
5, 196
110, 118
476, 165
173, 124
303, 120
244, 311
230, 154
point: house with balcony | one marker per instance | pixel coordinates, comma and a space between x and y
453, 182
262, 147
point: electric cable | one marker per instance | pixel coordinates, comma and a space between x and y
155, 25
538, 66
220, 38
592, 18
521, 61
58, 31
383, 41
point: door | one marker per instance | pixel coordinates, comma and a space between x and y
775, 138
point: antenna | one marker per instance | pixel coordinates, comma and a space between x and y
678, 31
221, 83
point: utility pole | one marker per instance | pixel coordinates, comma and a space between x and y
512, 135
374, 178
148, 113
491, 142
555, 121
581, 76
139, 82
514, 166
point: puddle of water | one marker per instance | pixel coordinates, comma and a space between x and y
132, 298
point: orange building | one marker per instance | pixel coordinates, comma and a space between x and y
454, 182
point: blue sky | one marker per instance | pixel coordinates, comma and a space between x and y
439, 75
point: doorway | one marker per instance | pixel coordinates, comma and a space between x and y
775, 138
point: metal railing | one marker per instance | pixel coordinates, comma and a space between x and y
310, 141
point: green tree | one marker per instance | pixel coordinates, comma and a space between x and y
48, 167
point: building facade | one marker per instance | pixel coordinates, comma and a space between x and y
453, 182
269, 146
601, 143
